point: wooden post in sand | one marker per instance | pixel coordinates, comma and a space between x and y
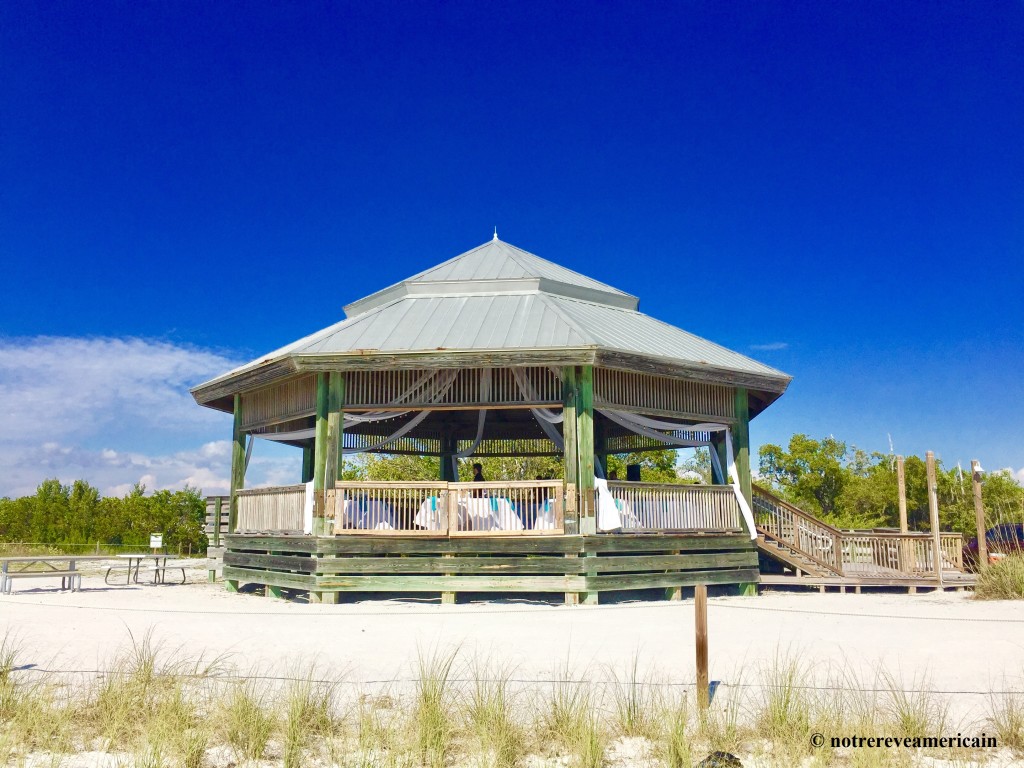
700, 612
979, 514
908, 561
933, 512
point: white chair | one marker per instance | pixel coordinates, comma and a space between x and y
367, 514
432, 515
491, 514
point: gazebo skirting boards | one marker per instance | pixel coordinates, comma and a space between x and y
491, 538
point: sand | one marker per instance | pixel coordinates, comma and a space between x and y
948, 641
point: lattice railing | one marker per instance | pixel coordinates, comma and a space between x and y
665, 507
278, 508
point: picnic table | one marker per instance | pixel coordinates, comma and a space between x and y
134, 566
43, 566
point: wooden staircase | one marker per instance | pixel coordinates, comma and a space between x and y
790, 557
810, 547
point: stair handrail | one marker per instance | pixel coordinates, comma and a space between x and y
810, 523
844, 540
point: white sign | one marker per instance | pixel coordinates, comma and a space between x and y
156, 540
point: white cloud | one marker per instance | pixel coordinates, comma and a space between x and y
772, 346
116, 412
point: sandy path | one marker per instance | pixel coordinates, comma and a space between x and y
957, 644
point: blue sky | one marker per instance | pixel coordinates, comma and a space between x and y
833, 188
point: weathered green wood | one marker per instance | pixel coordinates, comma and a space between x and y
268, 543
741, 444
236, 575
307, 463
663, 580
449, 446
272, 591
488, 565
451, 564
449, 583
218, 511
600, 447
333, 453
275, 562
237, 464
335, 425
659, 543
585, 426
570, 455
748, 589
718, 446
690, 562
468, 545
231, 585
320, 437
585, 448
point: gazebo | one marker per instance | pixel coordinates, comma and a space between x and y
495, 352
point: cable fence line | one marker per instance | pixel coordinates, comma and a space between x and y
321, 612
232, 677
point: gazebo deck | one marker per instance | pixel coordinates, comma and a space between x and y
579, 566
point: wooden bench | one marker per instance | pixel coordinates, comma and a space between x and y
68, 579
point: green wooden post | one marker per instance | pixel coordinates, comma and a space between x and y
741, 448
585, 449
333, 454
601, 446
718, 446
320, 446
570, 456
307, 463
449, 446
741, 444
237, 465
585, 446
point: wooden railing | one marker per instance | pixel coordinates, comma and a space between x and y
778, 519
854, 553
525, 507
384, 507
663, 507
217, 522
531, 507
271, 509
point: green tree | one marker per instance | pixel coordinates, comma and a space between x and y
810, 473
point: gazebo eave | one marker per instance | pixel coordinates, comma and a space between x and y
219, 392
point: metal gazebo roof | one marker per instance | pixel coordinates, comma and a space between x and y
499, 305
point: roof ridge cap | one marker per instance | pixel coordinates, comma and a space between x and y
553, 306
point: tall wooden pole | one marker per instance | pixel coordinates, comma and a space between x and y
906, 546
237, 464
741, 444
585, 447
901, 484
307, 463
700, 615
979, 513
933, 512
570, 456
333, 459
320, 449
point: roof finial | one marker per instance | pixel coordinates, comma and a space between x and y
495, 233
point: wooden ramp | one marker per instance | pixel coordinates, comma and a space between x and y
820, 554
950, 580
